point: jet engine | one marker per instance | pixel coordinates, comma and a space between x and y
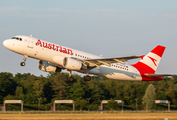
69, 63
72, 64
48, 67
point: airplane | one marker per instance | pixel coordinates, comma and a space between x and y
55, 58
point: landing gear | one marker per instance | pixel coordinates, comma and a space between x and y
24, 59
87, 78
70, 78
22, 63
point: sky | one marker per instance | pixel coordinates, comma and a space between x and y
111, 28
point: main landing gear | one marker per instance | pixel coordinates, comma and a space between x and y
70, 78
24, 59
87, 78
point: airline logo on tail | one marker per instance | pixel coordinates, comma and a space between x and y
150, 62
153, 60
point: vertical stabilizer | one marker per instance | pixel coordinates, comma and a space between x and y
151, 61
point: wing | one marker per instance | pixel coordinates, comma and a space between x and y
106, 61
159, 75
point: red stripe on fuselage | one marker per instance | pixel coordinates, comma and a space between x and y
144, 67
144, 72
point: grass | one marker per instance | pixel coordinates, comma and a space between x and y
90, 116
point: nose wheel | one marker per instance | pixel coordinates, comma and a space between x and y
22, 63
24, 59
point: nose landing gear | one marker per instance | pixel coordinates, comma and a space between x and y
24, 59
22, 63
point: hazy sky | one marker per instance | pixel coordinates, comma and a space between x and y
113, 28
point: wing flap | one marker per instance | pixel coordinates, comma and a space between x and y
107, 61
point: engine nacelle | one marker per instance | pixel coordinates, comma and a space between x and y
72, 64
69, 63
48, 67
59, 60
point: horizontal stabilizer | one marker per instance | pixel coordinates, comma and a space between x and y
158, 75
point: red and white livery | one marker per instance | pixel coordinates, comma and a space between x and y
55, 58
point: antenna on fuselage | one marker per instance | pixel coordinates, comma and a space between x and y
31, 35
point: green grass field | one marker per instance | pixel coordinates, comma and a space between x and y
89, 116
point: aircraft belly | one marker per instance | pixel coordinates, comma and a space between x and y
118, 74
94, 71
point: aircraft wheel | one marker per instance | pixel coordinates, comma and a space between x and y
70, 79
22, 63
87, 78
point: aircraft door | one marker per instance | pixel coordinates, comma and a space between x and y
30, 42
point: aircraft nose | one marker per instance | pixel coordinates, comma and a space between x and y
6, 43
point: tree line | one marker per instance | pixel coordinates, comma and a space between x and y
87, 94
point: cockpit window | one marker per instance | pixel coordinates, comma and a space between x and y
13, 38
17, 38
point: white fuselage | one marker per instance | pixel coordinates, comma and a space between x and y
48, 51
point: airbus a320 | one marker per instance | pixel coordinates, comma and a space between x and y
54, 58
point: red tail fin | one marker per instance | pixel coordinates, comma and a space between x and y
151, 61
